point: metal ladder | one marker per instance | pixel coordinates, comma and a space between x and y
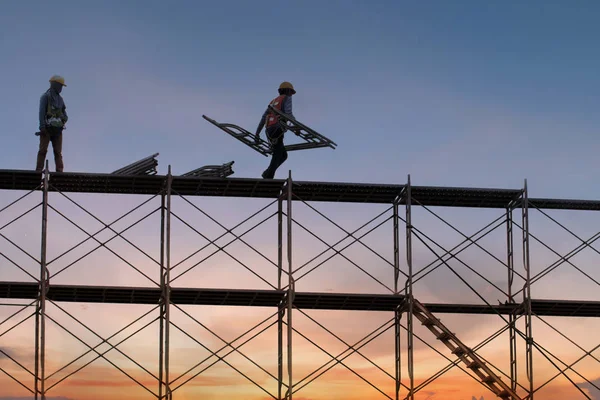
464, 353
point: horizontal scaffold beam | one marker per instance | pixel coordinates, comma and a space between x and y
273, 298
272, 189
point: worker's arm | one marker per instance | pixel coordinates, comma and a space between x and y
287, 106
261, 124
42, 111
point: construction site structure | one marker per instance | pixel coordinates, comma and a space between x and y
400, 301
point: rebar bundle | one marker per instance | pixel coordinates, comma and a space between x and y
145, 166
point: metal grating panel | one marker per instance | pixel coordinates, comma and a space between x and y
20, 180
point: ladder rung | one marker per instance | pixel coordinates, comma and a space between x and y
489, 379
458, 351
474, 365
504, 394
444, 336
430, 322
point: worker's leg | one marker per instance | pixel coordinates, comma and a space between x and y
57, 138
278, 153
41, 156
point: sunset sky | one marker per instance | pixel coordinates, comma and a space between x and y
457, 93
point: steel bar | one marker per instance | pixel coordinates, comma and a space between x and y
391, 264
167, 288
109, 227
225, 341
346, 237
227, 231
103, 244
223, 360
12, 203
527, 292
454, 257
281, 306
564, 227
214, 171
456, 362
543, 353
340, 361
512, 317
113, 347
562, 259
17, 381
101, 230
462, 234
23, 308
40, 322
230, 231
95, 351
161, 311
337, 252
291, 288
349, 346
145, 166
229, 344
106, 340
409, 290
397, 312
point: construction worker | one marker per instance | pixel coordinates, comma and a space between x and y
53, 117
275, 129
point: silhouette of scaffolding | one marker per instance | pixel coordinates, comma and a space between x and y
398, 300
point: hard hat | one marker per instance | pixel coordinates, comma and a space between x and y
287, 85
58, 79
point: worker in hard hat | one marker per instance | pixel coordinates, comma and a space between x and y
53, 117
275, 129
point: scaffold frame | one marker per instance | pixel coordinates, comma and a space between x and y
399, 299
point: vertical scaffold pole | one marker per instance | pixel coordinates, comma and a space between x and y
397, 312
291, 286
281, 310
527, 291
409, 290
40, 315
161, 344
511, 299
167, 286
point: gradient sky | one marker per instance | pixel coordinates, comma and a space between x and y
460, 93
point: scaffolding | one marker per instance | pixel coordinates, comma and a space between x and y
517, 312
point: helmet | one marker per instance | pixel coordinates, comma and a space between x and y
287, 85
58, 79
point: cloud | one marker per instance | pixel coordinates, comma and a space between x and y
5, 352
591, 390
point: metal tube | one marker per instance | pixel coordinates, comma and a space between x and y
281, 310
161, 348
398, 355
167, 285
44, 276
527, 292
291, 288
409, 290
511, 300
397, 313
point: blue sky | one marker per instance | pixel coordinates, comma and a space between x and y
454, 93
